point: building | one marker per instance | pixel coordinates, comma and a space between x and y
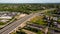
5, 17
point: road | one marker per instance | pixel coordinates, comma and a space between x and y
28, 32
13, 25
53, 32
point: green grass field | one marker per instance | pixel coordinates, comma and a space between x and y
38, 20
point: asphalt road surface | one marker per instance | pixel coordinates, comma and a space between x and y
13, 25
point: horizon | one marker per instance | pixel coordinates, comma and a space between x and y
29, 1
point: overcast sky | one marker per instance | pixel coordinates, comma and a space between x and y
29, 1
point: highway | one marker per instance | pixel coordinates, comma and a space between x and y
12, 26
15, 24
